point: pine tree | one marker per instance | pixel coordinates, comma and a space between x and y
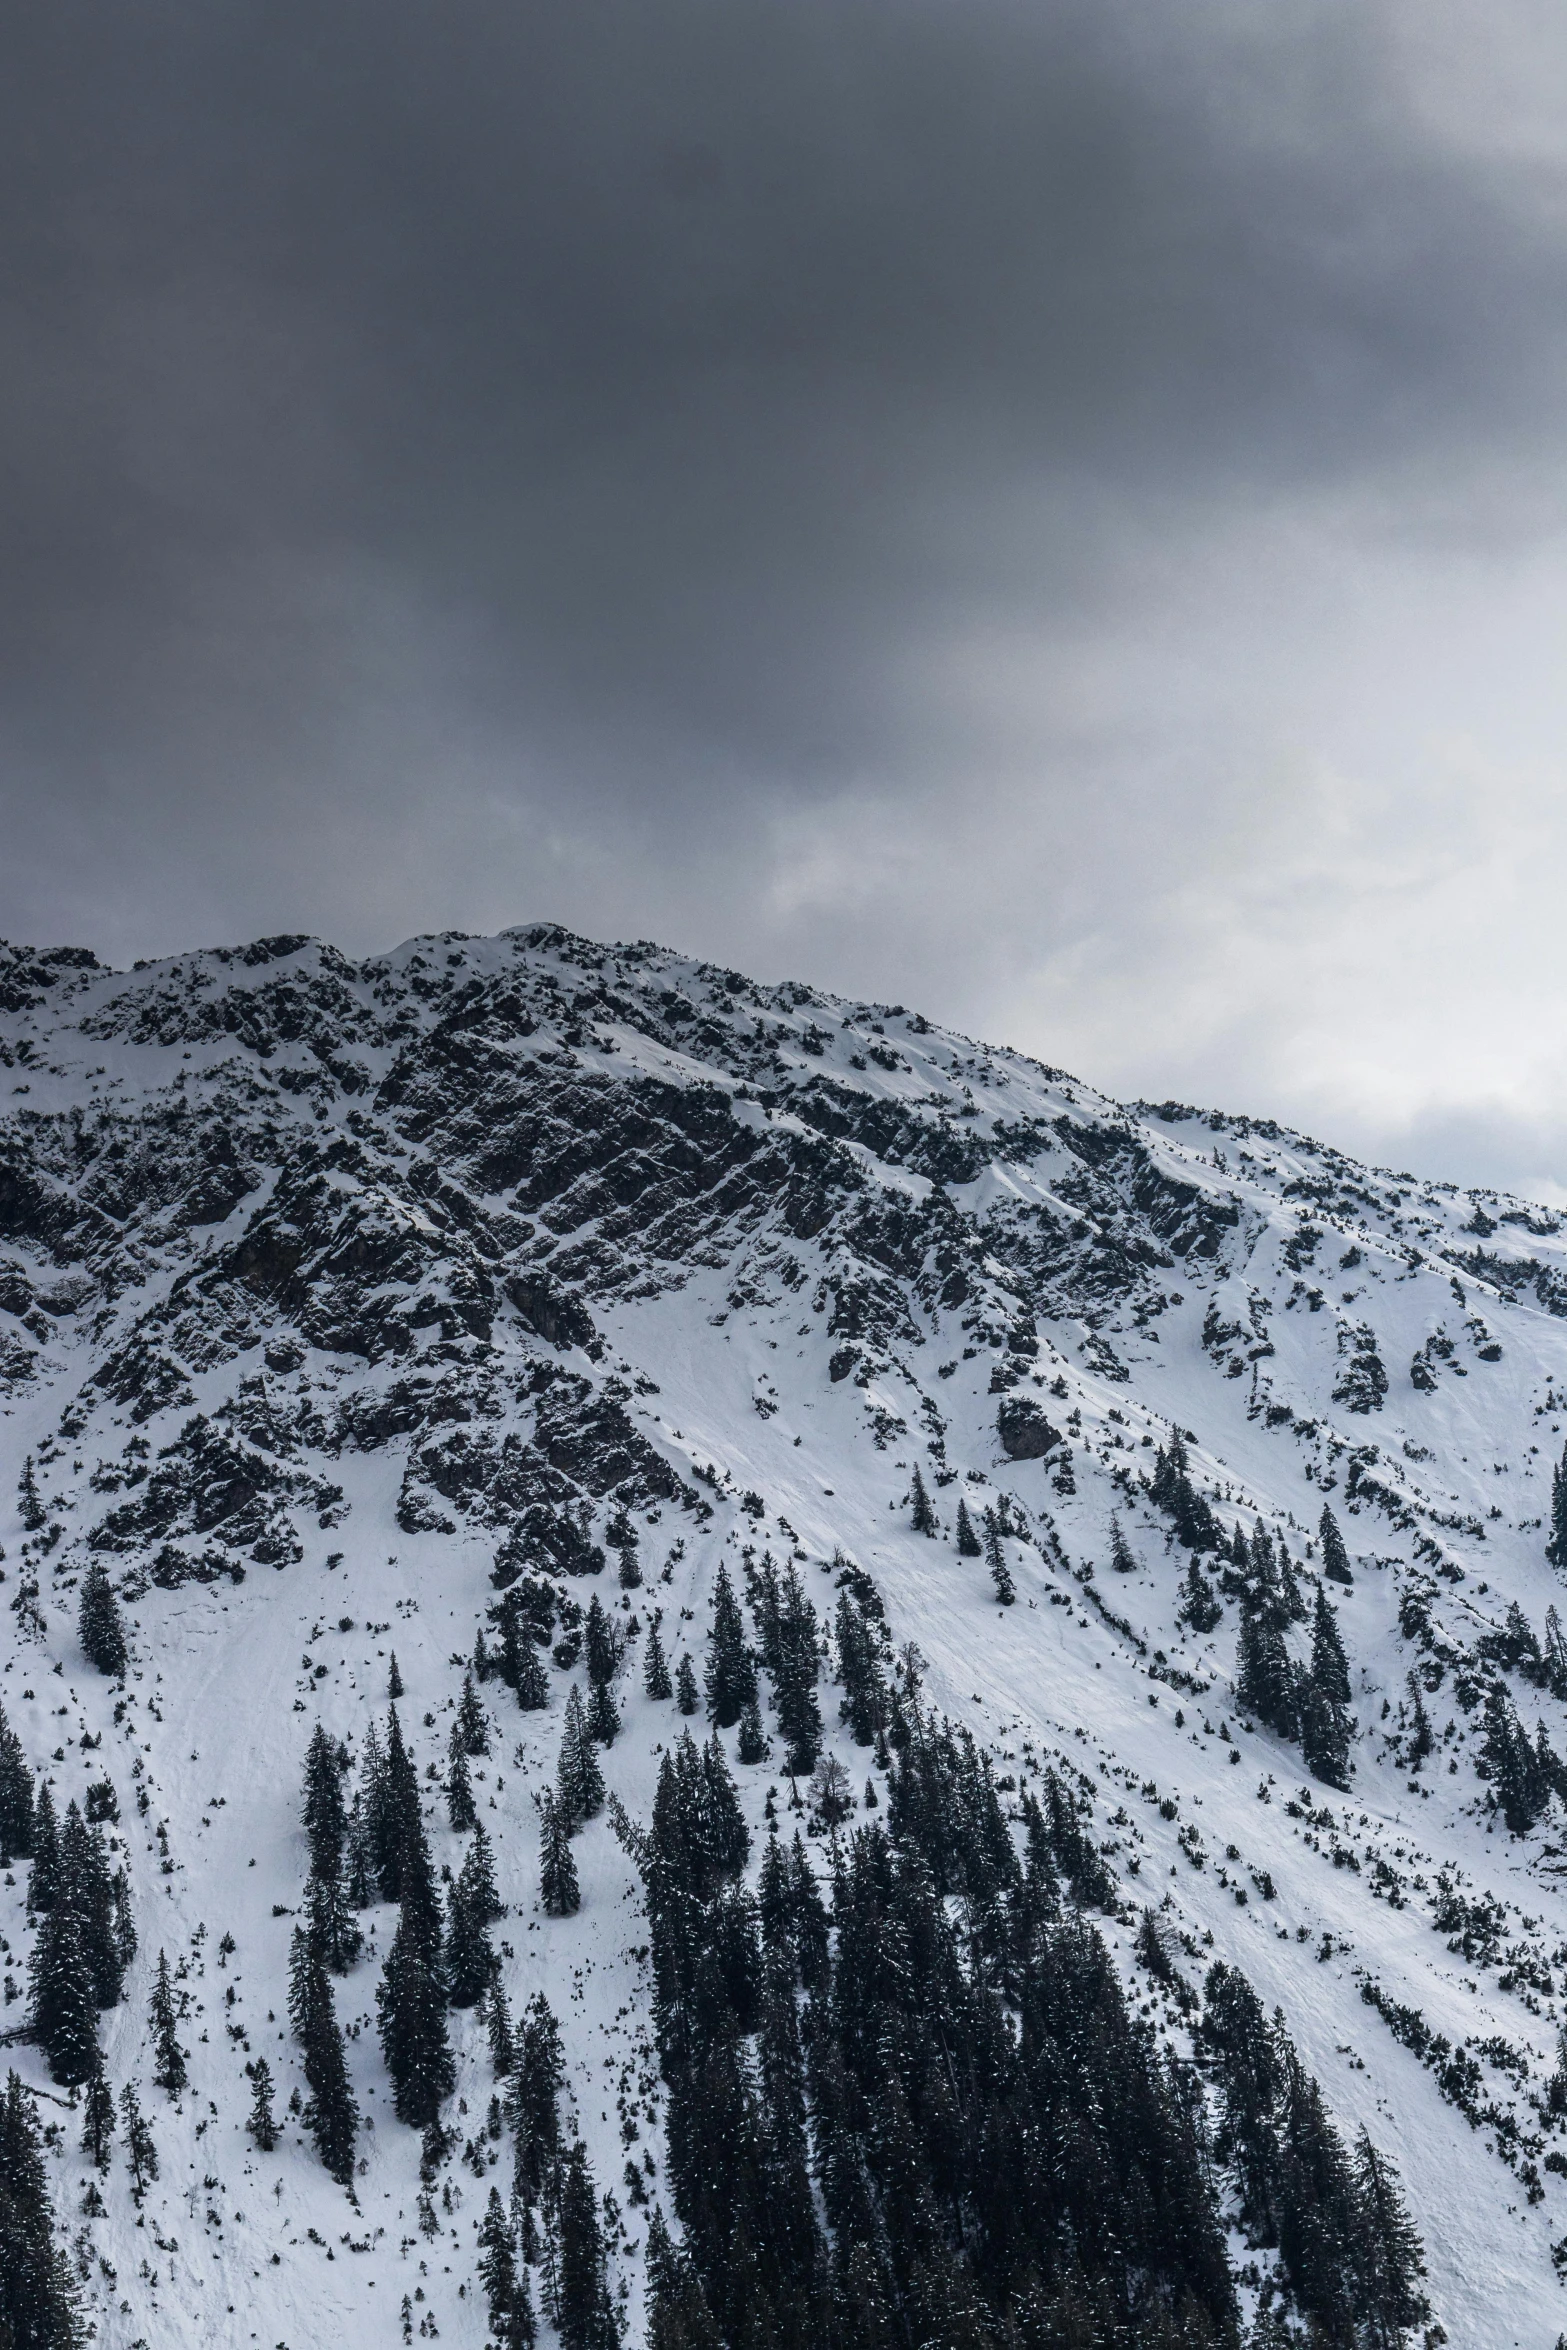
655, 1667
44, 1877
170, 2073
1421, 1743
1556, 1541
795, 1676
1266, 1682
731, 1675
473, 1723
16, 1798
87, 1888
38, 2297
603, 1715
99, 1622
64, 2018
1335, 1558
394, 1681
393, 1815
923, 1517
533, 1687
1329, 1665
1521, 1786
459, 1788
535, 2101
968, 1540
601, 1648
141, 2153
29, 1503
262, 2124
478, 1873
503, 2049
330, 1922
411, 1997
559, 1890
98, 2120
505, 2288
864, 1706
578, 1779
325, 1819
754, 1746
1122, 1558
678, 2314
1392, 2259
685, 1686
1200, 1606
332, 2115
470, 1962
996, 1558
586, 2314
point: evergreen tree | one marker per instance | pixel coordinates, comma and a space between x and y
685, 1686
141, 2153
170, 2073
470, 1962
29, 1501
459, 1788
1266, 1682
393, 1816
332, 2115
64, 2018
532, 1684
535, 2102
603, 1715
98, 2120
38, 2297
1556, 1541
923, 1516
586, 2314
262, 2124
1200, 1606
16, 1798
1393, 2260
411, 1997
559, 1890
44, 1877
754, 1746
678, 2315
795, 1675
87, 1888
1329, 1665
505, 2286
1335, 1558
330, 1922
99, 1622
473, 1723
1421, 1743
1122, 1558
478, 1873
655, 1666
996, 1558
1324, 1694
864, 1706
394, 1681
579, 1781
503, 2049
326, 1821
968, 1540
731, 1675
1522, 1788
601, 1649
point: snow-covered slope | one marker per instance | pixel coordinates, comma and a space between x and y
330, 1292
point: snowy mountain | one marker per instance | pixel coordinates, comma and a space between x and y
510, 1308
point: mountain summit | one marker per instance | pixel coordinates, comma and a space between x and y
694, 1664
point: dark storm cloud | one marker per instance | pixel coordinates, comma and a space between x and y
470, 462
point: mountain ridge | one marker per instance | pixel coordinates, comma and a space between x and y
362, 1291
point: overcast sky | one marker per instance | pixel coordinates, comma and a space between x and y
1055, 513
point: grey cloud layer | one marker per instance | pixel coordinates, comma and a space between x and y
631, 462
